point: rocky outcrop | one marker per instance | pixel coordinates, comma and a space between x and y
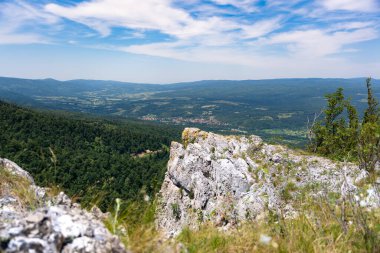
33, 221
229, 179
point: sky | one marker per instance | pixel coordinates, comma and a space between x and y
166, 41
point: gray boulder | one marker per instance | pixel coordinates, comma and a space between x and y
44, 223
57, 229
229, 179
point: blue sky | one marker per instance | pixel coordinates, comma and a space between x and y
163, 41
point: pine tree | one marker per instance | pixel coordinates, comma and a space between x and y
371, 114
369, 141
333, 136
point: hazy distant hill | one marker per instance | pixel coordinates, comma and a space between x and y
270, 108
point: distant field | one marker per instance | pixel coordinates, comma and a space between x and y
275, 109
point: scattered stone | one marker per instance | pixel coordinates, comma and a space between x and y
55, 225
265, 239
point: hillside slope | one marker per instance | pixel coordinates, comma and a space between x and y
90, 158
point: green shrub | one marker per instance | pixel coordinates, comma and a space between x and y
336, 138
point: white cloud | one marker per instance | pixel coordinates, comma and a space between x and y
304, 45
19, 12
14, 38
319, 43
256, 63
271, 37
214, 38
19, 19
352, 25
160, 15
350, 5
102, 15
205, 54
245, 5
261, 28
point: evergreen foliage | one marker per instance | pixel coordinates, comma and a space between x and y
369, 141
90, 159
334, 136
371, 114
353, 140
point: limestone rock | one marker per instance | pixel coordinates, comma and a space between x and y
15, 169
58, 229
52, 224
229, 179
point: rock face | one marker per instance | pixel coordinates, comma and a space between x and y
46, 224
229, 179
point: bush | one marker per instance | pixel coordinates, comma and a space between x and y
353, 140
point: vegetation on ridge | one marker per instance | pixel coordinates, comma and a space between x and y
320, 227
90, 159
11, 184
356, 140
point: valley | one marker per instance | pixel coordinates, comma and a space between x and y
276, 109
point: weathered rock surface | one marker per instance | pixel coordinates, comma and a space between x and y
51, 224
229, 179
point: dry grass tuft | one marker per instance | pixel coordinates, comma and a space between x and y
323, 225
13, 185
320, 227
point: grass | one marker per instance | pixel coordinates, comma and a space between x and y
326, 224
133, 222
321, 227
14, 185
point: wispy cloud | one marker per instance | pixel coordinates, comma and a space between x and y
319, 43
240, 32
244, 5
351, 5
160, 15
353, 25
102, 15
20, 23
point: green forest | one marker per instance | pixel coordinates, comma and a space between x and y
93, 160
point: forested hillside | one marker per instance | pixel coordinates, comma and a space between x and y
91, 159
276, 109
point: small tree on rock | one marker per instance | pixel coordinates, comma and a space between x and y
333, 137
369, 140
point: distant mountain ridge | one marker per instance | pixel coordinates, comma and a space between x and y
272, 108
